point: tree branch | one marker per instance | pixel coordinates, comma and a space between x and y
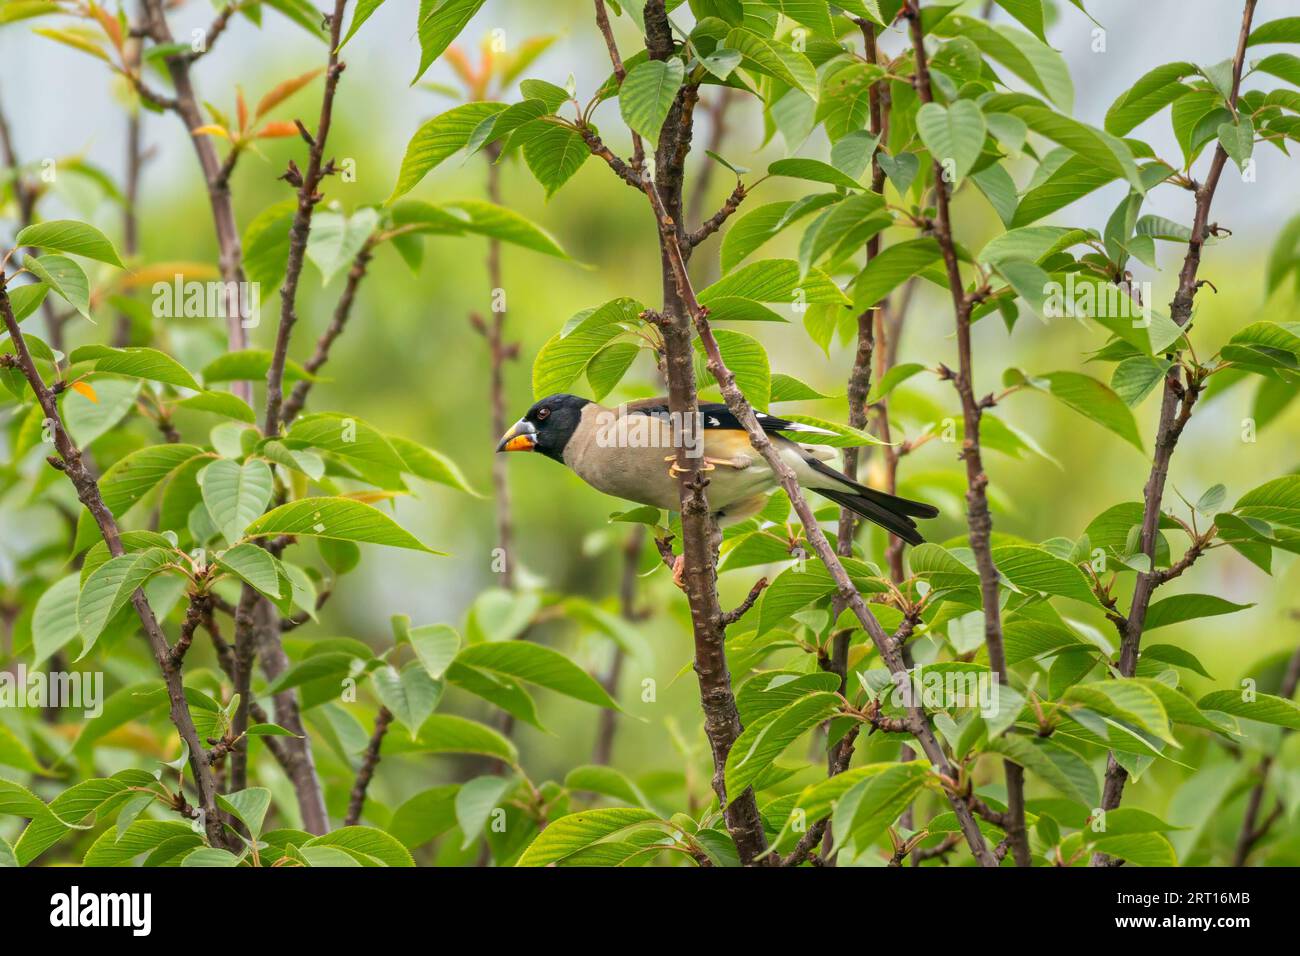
293, 405
308, 184
357, 799
979, 520
186, 106
1176, 404
87, 487
1251, 833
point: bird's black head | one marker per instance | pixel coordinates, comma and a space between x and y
547, 427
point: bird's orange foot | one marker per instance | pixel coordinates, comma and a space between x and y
676, 471
679, 571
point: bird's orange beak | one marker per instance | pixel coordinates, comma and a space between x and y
521, 437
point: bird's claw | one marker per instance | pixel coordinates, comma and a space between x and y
676, 471
679, 571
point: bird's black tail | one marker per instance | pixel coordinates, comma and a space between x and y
892, 513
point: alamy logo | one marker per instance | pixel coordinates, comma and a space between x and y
618, 429
132, 910
38, 690
1097, 300
208, 300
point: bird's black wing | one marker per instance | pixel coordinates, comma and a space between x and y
717, 416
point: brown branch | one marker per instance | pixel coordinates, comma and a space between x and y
308, 196
979, 520
499, 353
186, 105
226, 660
357, 800
1251, 832
700, 536
70, 463
606, 31
1176, 404
714, 222
293, 405
739, 611
693, 499
214, 31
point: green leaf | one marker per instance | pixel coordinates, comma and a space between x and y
813, 170
1139, 849
745, 356
359, 16
577, 831
221, 403
249, 805
441, 21
1034, 569
1054, 764
1265, 708
475, 802
439, 138
608, 366
1285, 30
336, 239
565, 356
235, 494
894, 266
144, 363
773, 58
873, 803
346, 436
1276, 501
425, 816
54, 621
1187, 607
767, 738
109, 588
341, 518
774, 280
1238, 140
536, 664
756, 227
1151, 93
489, 219
254, 566
411, 694
554, 153
250, 365
65, 277
1135, 377
446, 733
373, 847
68, 235
435, 646
606, 781
647, 95
1093, 400
431, 465
953, 135
1125, 699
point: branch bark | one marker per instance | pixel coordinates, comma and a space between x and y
186, 106
369, 761
1251, 830
979, 520
308, 184
70, 463
1177, 399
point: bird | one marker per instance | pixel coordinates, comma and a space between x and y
630, 452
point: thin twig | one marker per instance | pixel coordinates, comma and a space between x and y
369, 761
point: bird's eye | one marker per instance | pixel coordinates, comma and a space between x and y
543, 413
